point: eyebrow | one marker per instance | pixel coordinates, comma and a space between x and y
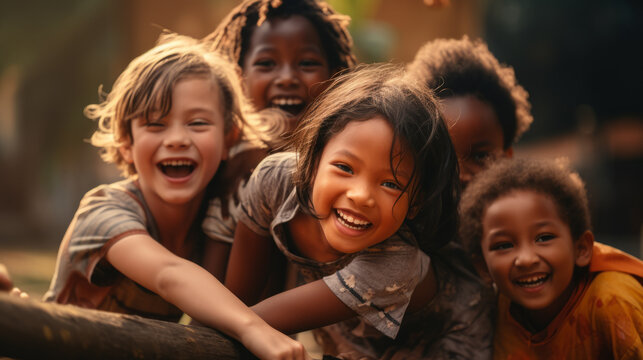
498, 232
307, 48
348, 154
542, 223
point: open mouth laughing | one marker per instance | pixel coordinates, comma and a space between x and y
291, 105
351, 222
532, 280
177, 168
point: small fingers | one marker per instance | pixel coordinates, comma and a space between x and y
5, 280
299, 352
18, 293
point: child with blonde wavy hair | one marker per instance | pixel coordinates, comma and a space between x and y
133, 246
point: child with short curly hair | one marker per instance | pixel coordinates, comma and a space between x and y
133, 246
561, 295
486, 109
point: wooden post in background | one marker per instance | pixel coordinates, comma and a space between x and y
31, 329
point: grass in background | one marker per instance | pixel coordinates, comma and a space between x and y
30, 270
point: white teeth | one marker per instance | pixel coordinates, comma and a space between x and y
287, 101
176, 163
350, 222
532, 281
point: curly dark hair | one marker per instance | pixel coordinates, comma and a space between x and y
232, 36
453, 67
411, 110
551, 178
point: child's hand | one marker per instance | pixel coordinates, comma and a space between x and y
18, 293
267, 343
7, 285
5, 280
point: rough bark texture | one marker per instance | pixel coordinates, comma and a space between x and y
31, 329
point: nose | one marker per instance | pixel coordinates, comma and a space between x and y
287, 77
176, 137
526, 257
465, 174
361, 194
465, 178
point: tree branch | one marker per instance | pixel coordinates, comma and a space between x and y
31, 329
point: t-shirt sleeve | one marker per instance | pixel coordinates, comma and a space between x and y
379, 282
218, 226
618, 313
263, 194
105, 215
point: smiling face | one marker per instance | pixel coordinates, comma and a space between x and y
475, 132
355, 193
176, 156
285, 65
530, 252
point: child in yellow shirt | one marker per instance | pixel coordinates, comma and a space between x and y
561, 295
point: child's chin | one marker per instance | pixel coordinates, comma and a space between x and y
292, 120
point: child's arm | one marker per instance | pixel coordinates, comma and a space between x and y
305, 307
200, 295
250, 264
362, 288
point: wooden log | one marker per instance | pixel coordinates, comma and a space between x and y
30, 329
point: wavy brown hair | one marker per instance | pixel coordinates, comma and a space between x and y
411, 110
145, 87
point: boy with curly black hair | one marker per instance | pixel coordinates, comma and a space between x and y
561, 295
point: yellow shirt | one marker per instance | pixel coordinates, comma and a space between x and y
603, 319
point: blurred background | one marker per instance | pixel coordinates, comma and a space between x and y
580, 61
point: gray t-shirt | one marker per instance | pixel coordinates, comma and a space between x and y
456, 324
83, 277
377, 283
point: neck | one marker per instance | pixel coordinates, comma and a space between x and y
537, 320
307, 238
174, 222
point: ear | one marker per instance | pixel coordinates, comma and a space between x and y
583, 249
230, 139
126, 152
509, 152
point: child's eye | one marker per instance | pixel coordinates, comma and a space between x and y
544, 237
154, 125
309, 63
344, 168
481, 156
264, 63
501, 246
199, 122
392, 185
